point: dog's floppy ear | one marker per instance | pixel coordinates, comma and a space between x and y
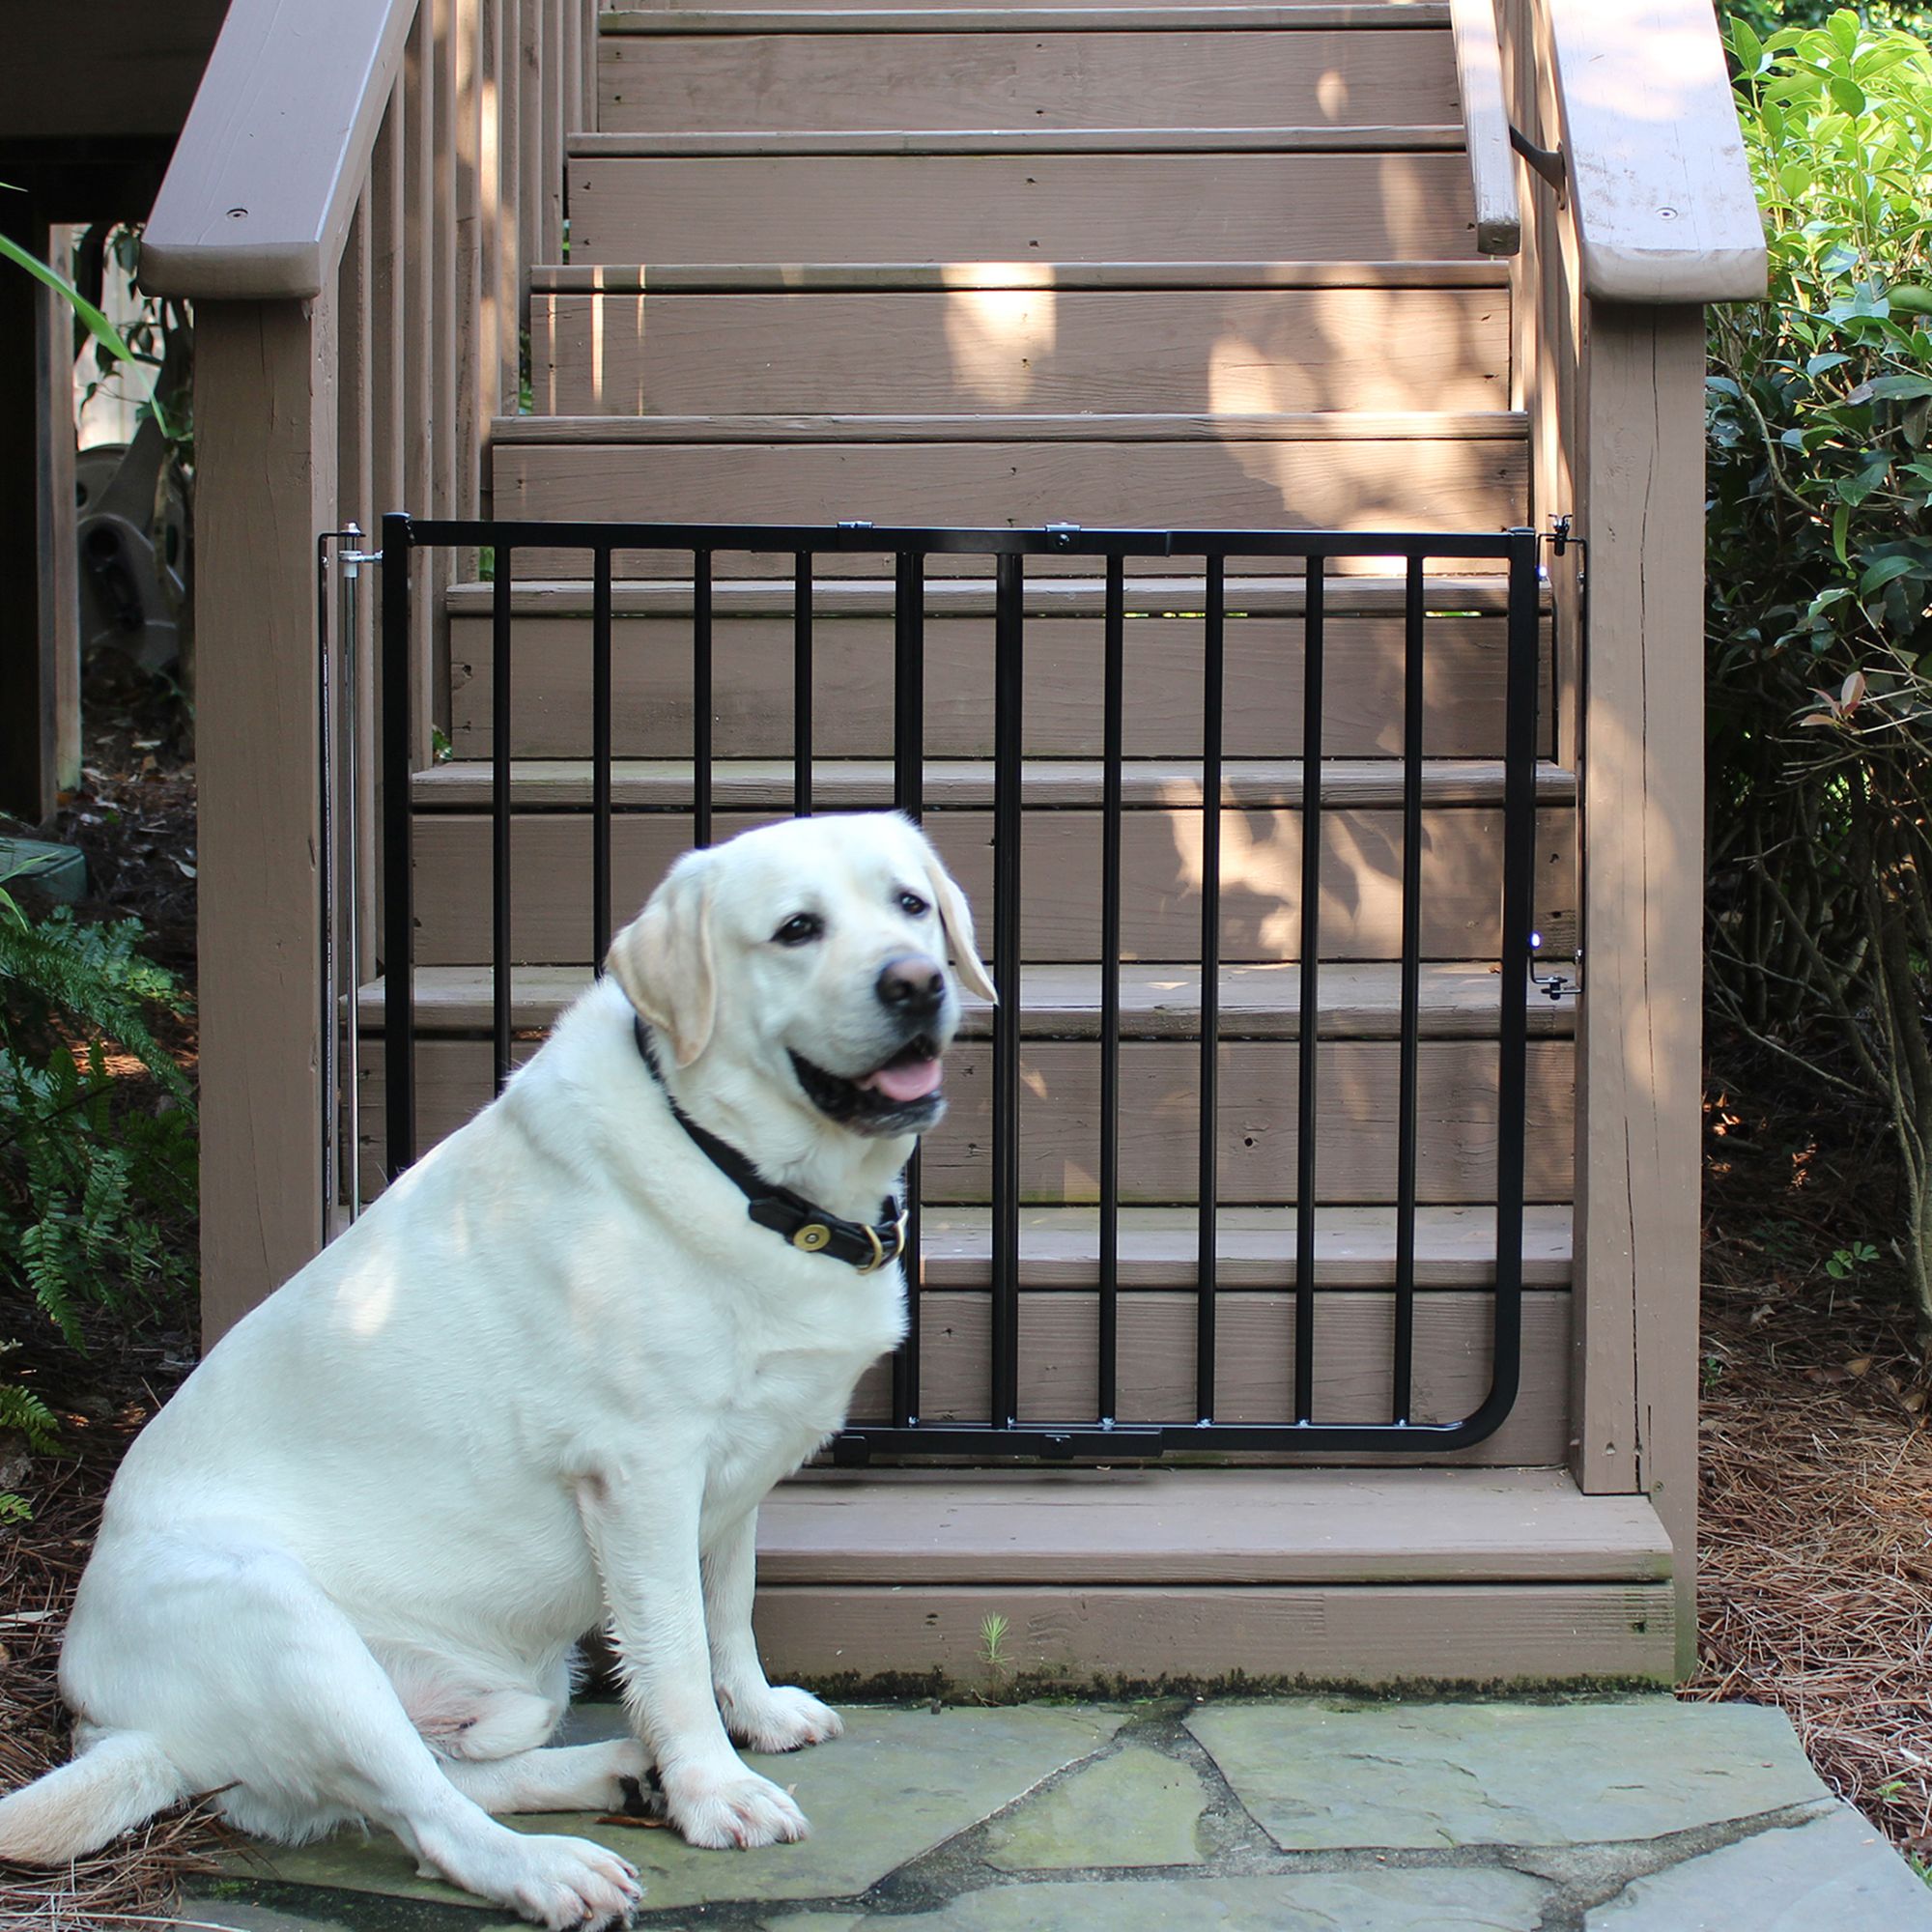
956, 916
663, 958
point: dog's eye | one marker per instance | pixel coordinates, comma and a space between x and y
912, 906
800, 929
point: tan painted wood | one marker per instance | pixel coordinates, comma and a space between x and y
1335, 79
265, 430
266, 175
1664, 207
1643, 743
1105, 1639
787, 278
1016, 207
1358, 1094
1186, 351
1088, 1528
1479, 77
1253, 1382
1473, 485
1435, 138
1358, 1000
665, 784
852, 674
1260, 856
421, 411
894, 17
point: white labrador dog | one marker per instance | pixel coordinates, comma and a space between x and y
543, 1382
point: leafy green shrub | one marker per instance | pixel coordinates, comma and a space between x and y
1820, 575
95, 1179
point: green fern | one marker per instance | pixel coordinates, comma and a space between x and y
93, 1170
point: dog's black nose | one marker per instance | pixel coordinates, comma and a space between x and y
912, 984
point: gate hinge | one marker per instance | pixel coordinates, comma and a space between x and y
1547, 162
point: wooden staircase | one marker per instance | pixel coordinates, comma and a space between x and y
1169, 266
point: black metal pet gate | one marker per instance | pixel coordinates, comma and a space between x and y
1004, 1433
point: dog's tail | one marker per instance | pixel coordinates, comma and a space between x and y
115, 1784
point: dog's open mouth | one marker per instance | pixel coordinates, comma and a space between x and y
901, 1096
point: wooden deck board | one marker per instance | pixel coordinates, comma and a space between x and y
1207, 1526
1358, 1000
665, 784
780, 277
777, 78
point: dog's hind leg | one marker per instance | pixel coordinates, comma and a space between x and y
257, 1686
609, 1776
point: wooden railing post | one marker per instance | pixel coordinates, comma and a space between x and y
1639, 1031
265, 432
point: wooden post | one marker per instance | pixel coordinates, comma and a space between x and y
1641, 473
40, 615
265, 428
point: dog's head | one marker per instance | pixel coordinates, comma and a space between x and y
812, 954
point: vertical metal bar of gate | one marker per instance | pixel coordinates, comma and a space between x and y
1308, 1029
600, 756
1402, 1403
1008, 741
1208, 1167
1113, 680
801, 684
909, 797
700, 698
499, 812
399, 1015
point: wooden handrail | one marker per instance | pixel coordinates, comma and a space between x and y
264, 178
1479, 74
1665, 207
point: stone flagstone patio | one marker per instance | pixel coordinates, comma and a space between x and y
1315, 1814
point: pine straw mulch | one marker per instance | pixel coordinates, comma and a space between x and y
1816, 1492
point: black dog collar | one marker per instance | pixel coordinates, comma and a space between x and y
803, 1224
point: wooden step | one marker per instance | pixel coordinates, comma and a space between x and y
1044, 206
1359, 1090
1105, 1579
852, 669
719, 72
1320, 470
1434, 137
1358, 1000
1034, 349
1261, 862
893, 17
1475, 271
954, 785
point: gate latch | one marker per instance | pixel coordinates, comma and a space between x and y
1554, 986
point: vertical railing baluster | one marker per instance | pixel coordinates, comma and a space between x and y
399, 923
700, 698
499, 812
1008, 669
1308, 1026
1112, 751
1212, 664
1519, 885
800, 685
909, 797
600, 754
1407, 1124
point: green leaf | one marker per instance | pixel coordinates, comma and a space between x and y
1908, 299
1747, 47
1841, 519
1901, 386
1888, 569
96, 323
1848, 93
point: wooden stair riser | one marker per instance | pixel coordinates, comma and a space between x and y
1196, 351
852, 686
1464, 483
1358, 1092
1040, 207
731, 82
1254, 1362
1261, 862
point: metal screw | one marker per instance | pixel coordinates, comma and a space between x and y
238, 214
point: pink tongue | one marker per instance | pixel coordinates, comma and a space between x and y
912, 1080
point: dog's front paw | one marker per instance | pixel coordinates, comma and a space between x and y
720, 1810
572, 1885
780, 1719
